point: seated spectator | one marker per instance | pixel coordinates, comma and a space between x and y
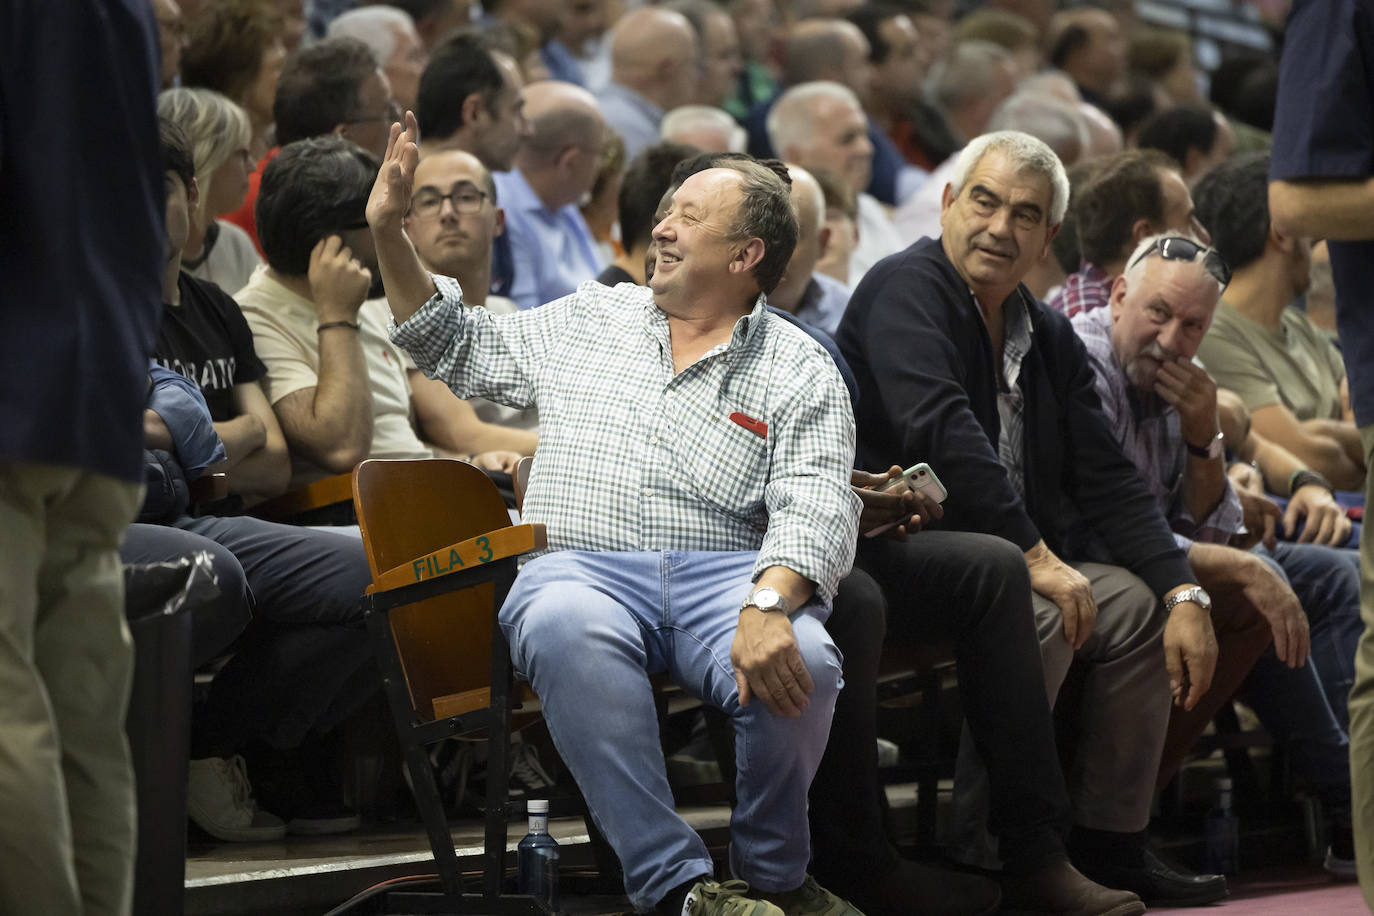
778, 516
472, 99
391, 35
216, 251
435, 20
1196, 136
306, 663
720, 62
711, 130
235, 48
654, 58
1040, 113
814, 298
1159, 404
1165, 57
454, 218
1014, 34
340, 390
1285, 369
552, 248
171, 32
822, 126
332, 87
1086, 43
968, 85
758, 23
542, 20
582, 36
646, 180
894, 101
826, 49
1130, 196
960, 367
598, 206
842, 219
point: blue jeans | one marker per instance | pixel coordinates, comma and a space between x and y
1307, 707
588, 628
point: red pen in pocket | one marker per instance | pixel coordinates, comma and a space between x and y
757, 427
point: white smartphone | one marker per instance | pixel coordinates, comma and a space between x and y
918, 477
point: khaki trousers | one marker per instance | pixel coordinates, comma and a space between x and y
66, 663
1362, 703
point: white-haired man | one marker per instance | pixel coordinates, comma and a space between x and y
960, 366
390, 33
822, 125
710, 130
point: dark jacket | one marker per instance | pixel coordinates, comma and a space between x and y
928, 392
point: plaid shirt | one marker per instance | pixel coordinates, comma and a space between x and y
1011, 405
1087, 290
1151, 435
749, 448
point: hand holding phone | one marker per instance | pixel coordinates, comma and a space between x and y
918, 479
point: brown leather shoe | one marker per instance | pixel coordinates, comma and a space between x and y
1058, 888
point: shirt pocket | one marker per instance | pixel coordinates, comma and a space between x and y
727, 466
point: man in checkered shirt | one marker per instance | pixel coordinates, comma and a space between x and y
693, 473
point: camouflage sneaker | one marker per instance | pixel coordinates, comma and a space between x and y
725, 898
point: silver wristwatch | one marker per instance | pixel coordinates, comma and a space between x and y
766, 599
1196, 594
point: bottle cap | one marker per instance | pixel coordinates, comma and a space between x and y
538, 806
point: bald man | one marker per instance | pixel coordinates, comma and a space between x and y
654, 68
1087, 44
812, 297
552, 248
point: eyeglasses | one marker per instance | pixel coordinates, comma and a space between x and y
390, 115
465, 199
1176, 248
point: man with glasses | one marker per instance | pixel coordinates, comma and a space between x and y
961, 367
340, 389
331, 87
1159, 404
454, 222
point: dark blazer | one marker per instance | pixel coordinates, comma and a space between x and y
928, 388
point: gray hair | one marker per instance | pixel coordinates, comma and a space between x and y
1046, 118
213, 123
790, 121
1028, 153
689, 118
369, 24
1136, 263
965, 75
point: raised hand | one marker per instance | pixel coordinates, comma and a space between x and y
1187, 386
338, 281
390, 198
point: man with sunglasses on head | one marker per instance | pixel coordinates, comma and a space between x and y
1162, 408
960, 366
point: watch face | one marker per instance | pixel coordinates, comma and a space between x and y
765, 599
1201, 597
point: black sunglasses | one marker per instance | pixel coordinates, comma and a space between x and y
1177, 248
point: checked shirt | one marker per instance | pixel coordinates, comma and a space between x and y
632, 457
1151, 435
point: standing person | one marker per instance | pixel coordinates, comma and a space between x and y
75, 377
1322, 186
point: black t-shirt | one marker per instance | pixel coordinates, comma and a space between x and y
206, 339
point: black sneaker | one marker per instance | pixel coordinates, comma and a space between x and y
305, 793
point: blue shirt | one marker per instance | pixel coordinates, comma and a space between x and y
81, 234
823, 303
1324, 128
552, 250
633, 116
182, 407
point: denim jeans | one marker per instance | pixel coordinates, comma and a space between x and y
1307, 707
588, 628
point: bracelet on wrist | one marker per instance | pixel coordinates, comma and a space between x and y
1304, 476
351, 325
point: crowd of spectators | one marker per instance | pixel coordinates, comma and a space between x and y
1027, 242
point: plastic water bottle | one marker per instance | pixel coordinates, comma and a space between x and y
538, 857
1223, 833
